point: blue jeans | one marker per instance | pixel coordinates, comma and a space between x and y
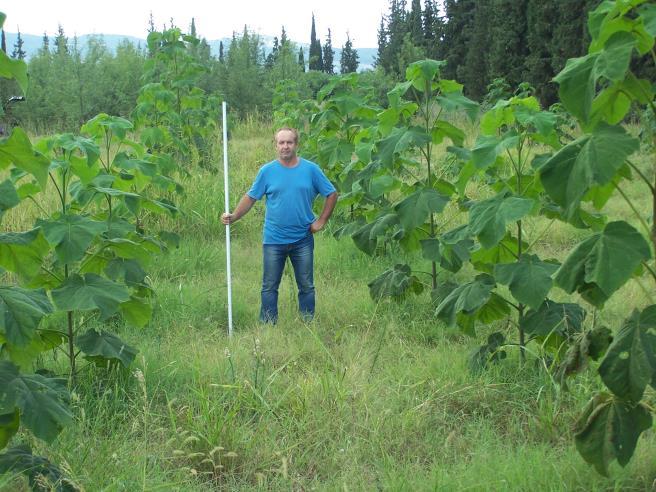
301, 254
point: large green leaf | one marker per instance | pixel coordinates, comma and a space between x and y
102, 122
14, 69
488, 147
365, 237
467, 298
85, 146
395, 283
609, 429
21, 311
71, 235
104, 347
601, 264
630, 363
88, 292
43, 402
23, 252
529, 279
577, 85
564, 319
42, 341
17, 149
592, 160
137, 311
488, 218
414, 210
400, 140
455, 101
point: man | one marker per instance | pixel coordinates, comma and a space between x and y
290, 184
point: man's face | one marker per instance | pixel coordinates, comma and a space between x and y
286, 145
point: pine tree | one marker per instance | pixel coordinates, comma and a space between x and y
301, 59
316, 56
45, 44
349, 60
271, 58
328, 55
18, 52
61, 41
382, 43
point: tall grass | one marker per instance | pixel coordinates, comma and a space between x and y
366, 397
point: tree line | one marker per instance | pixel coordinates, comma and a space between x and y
491, 46
501, 42
70, 83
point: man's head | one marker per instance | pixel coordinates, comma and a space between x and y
286, 143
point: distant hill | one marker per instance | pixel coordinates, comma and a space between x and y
32, 43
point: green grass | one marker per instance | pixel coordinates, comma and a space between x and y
367, 397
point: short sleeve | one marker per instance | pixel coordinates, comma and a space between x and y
322, 184
258, 188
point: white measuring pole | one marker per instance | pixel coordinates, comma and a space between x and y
227, 209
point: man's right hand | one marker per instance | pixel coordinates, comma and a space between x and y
227, 218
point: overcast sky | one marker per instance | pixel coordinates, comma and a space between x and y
214, 18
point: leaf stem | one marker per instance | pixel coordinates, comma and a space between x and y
642, 176
541, 235
634, 209
649, 269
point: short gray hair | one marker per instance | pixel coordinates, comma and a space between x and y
286, 129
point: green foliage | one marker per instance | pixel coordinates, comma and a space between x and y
601, 264
105, 348
609, 429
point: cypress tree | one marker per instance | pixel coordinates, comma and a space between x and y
570, 35
457, 33
3, 44
541, 22
221, 54
301, 59
151, 23
192, 28
433, 27
316, 57
396, 28
349, 60
473, 73
18, 52
508, 40
328, 55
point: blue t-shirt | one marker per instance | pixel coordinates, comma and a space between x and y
289, 193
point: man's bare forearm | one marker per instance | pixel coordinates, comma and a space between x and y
242, 208
328, 207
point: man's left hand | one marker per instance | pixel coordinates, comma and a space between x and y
316, 226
